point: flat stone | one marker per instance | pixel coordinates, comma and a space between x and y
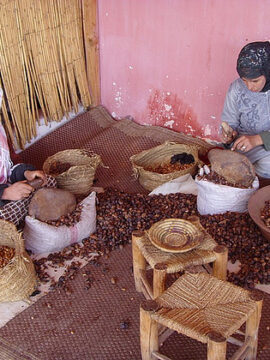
51, 204
233, 166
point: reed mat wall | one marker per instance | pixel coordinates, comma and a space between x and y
42, 64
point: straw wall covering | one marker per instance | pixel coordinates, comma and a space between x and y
42, 63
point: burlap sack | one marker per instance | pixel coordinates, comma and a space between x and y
160, 155
18, 278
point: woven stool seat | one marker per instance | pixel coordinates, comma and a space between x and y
202, 254
206, 309
164, 262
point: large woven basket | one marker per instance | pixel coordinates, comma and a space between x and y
78, 179
18, 278
160, 155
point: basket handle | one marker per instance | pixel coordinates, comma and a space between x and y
19, 244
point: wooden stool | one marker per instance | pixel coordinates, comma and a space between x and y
206, 309
164, 263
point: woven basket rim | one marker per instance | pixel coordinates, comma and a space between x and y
134, 157
194, 237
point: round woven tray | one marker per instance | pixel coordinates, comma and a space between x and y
175, 235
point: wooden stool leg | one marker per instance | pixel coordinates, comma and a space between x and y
252, 325
216, 347
159, 279
148, 329
139, 262
220, 265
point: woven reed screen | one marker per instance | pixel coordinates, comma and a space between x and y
42, 63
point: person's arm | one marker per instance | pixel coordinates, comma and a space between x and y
230, 113
18, 171
265, 135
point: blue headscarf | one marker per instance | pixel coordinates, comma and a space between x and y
254, 61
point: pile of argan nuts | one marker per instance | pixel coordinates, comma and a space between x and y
58, 167
119, 214
218, 179
69, 219
265, 213
6, 254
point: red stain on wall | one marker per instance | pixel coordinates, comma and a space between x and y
168, 110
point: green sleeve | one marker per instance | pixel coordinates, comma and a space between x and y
265, 135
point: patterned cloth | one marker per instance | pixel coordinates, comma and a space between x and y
15, 211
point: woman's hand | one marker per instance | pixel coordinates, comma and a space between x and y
227, 133
17, 191
31, 175
247, 142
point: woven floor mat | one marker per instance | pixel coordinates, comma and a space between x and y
114, 140
101, 323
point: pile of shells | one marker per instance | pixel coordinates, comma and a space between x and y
168, 168
6, 254
265, 213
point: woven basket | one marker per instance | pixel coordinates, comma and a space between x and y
161, 155
78, 179
18, 278
175, 235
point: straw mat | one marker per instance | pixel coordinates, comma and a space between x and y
101, 323
115, 141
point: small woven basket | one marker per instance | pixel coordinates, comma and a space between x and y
18, 278
78, 179
175, 235
161, 155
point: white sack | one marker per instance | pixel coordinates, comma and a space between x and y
183, 184
217, 199
41, 237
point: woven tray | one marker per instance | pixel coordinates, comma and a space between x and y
175, 235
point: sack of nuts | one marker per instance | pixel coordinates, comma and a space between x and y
73, 169
51, 236
164, 163
17, 272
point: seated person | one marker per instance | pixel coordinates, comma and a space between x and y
246, 108
15, 192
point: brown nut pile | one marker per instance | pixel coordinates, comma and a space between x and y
265, 213
57, 168
68, 219
218, 179
119, 213
6, 254
168, 168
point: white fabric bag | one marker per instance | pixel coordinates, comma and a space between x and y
183, 184
217, 199
41, 237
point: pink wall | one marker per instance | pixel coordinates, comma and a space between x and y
170, 62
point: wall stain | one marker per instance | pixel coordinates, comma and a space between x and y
168, 110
